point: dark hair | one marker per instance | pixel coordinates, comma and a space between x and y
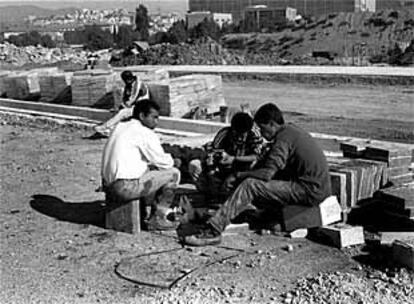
269, 112
125, 75
144, 106
241, 122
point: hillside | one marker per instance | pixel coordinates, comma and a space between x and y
343, 36
17, 14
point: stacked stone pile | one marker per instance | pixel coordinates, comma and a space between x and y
53, 86
178, 96
91, 87
25, 85
19, 56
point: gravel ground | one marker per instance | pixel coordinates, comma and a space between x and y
54, 249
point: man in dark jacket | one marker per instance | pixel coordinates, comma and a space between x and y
294, 170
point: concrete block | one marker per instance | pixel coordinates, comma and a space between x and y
338, 185
125, 218
179, 96
298, 233
390, 237
296, 216
343, 235
233, 229
351, 184
400, 196
403, 253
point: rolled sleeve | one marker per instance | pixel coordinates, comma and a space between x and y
277, 158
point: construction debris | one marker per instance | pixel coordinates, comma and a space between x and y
19, 56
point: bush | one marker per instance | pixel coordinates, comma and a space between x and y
393, 14
32, 38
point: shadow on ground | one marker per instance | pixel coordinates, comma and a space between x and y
92, 213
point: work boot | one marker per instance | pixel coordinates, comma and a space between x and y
198, 235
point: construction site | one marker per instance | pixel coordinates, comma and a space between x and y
61, 245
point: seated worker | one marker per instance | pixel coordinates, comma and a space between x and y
294, 170
134, 91
134, 164
234, 148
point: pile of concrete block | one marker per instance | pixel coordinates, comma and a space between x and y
398, 202
397, 156
25, 85
90, 87
179, 96
53, 86
3, 75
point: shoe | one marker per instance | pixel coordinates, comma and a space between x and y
161, 220
161, 224
198, 236
101, 130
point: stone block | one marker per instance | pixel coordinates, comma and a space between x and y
338, 184
297, 216
350, 186
181, 95
402, 197
125, 218
403, 253
233, 229
342, 235
390, 237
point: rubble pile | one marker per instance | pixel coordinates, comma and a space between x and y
338, 287
19, 56
199, 53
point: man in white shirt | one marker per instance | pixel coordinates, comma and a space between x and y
134, 164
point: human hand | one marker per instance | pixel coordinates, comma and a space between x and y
229, 182
226, 159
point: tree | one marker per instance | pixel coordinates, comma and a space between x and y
207, 28
178, 32
47, 41
97, 38
142, 22
125, 36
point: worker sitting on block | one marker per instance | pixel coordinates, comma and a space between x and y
234, 148
134, 91
293, 171
134, 164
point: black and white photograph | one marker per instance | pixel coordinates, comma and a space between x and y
206, 151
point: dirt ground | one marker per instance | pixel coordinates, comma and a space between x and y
54, 248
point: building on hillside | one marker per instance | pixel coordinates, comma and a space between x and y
260, 17
222, 19
194, 18
303, 7
395, 4
365, 5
